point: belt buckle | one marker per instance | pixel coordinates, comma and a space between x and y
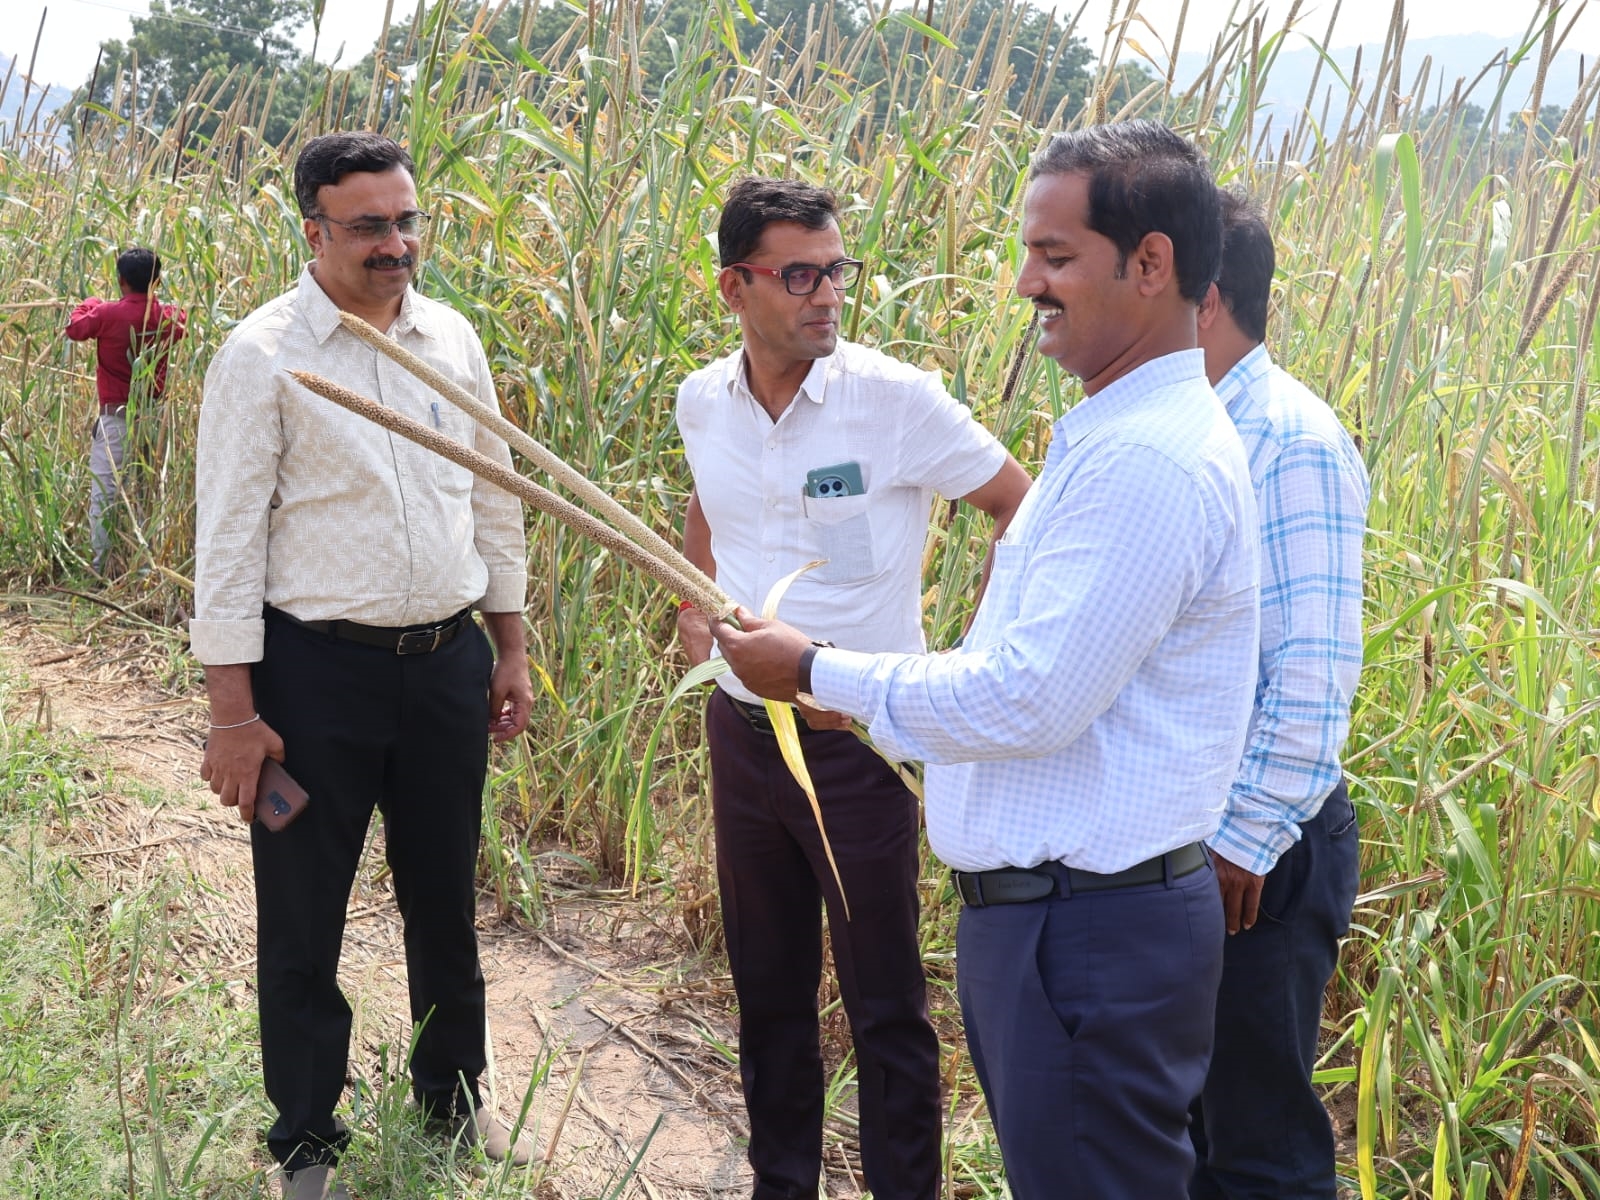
426, 641
755, 716
969, 889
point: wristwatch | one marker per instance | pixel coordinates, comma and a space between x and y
802, 693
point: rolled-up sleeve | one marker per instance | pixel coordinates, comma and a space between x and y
85, 320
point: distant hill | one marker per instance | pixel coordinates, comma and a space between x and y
1458, 56
46, 101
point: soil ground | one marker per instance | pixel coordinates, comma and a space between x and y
633, 1033
639, 1038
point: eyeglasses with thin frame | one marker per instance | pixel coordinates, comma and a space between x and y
802, 279
411, 225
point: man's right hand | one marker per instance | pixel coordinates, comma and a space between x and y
233, 760
694, 631
1241, 894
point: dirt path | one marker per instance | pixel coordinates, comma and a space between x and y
632, 1036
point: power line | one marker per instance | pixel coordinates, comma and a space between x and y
179, 19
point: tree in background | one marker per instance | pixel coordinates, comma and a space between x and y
241, 44
179, 44
1045, 64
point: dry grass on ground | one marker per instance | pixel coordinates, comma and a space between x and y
634, 1033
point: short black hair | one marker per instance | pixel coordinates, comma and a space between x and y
1144, 178
325, 160
1248, 262
139, 268
755, 202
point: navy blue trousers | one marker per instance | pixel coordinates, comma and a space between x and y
1090, 1022
364, 728
774, 879
1260, 1130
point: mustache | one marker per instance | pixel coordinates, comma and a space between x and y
384, 261
1047, 302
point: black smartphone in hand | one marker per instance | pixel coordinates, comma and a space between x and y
279, 799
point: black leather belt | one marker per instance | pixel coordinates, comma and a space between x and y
1018, 885
410, 639
761, 721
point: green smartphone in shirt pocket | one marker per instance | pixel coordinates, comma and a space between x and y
829, 483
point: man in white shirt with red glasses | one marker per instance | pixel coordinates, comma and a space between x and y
807, 447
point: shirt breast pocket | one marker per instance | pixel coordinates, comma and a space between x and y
842, 529
460, 427
1003, 597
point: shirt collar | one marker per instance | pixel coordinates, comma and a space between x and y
1117, 397
813, 387
322, 314
1239, 377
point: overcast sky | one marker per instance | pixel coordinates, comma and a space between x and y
73, 29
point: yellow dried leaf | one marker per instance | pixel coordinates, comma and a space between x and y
788, 734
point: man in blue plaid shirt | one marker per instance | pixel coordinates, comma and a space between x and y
1286, 854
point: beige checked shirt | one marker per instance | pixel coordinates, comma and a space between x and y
317, 511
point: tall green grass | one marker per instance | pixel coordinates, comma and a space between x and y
1438, 284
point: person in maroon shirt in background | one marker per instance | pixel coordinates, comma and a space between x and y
125, 333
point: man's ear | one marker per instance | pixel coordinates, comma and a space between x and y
1210, 307
730, 282
312, 228
1151, 264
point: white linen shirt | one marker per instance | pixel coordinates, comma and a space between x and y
325, 515
1097, 710
909, 437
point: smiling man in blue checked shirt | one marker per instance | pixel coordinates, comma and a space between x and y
1287, 851
1081, 742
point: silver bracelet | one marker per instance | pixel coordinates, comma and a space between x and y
241, 724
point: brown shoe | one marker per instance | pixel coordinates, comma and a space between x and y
485, 1129
313, 1183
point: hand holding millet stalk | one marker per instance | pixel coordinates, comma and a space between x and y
687, 581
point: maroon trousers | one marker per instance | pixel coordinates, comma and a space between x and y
774, 879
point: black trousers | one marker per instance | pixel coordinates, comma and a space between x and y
774, 878
1259, 1128
364, 728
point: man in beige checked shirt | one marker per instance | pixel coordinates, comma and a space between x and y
337, 569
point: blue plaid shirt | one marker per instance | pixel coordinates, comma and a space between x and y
1096, 712
1311, 492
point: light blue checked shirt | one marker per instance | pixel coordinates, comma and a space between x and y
1311, 492
1097, 711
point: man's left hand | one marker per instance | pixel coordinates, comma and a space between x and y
765, 655
1241, 893
822, 718
510, 697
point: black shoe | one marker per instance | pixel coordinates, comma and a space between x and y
313, 1183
